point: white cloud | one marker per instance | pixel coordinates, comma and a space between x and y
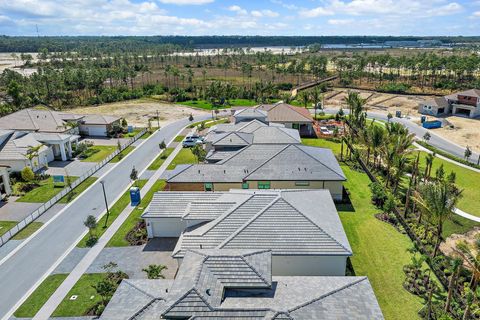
339, 22
315, 12
264, 13
186, 2
476, 14
418, 8
237, 9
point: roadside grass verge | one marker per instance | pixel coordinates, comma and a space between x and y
100, 153
78, 190
84, 291
466, 179
447, 155
122, 154
28, 230
133, 133
185, 156
38, 298
115, 211
6, 225
179, 138
157, 163
44, 192
380, 251
118, 239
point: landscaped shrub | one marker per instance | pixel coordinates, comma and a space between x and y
27, 174
379, 196
138, 235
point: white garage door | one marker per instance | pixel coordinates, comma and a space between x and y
168, 227
97, 131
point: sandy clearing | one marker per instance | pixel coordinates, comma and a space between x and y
137, 112
465, 132
448, 246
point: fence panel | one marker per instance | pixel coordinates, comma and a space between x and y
42, 209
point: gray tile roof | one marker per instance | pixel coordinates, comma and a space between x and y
34, 120
215, 156
240, 139
293, 222
470, 93
99, 119
237, 284
251, 112
192, 205
267, 162
174, 204
17, 146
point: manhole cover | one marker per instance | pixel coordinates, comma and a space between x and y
74, 297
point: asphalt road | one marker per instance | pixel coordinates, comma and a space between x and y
435, 140
26, 267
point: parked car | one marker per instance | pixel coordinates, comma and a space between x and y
192, 141
325, 131
195, 137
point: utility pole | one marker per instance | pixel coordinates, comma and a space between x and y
158, 120
106, 204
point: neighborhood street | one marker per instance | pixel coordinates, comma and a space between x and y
435, 140
26, 267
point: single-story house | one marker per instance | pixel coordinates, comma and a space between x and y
97, 125
220, 145
279, 113
16, 149
301, 227
465, 103
265, 166
239, 284
53, 133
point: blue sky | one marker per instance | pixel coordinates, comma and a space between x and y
241, 17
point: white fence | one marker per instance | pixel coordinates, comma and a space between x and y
47, 205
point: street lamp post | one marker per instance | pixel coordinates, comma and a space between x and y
106, 203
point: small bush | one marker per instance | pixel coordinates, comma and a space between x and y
27, 174
92, 241
379, 195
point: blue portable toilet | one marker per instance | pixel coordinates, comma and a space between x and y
135, 196
130, 129
398, 114
423, 119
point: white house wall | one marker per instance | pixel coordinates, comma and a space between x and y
308, 265
165, 227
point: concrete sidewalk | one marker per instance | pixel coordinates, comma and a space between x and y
49, 307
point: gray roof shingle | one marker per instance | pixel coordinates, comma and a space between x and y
294, 222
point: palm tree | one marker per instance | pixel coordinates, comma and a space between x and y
428, 166
154, 271
437, 200
455, 264
377, 138
32, 153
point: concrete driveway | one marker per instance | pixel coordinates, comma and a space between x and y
104, 141
16, 211
73, 168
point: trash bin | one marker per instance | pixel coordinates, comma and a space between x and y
135, 197
423, 119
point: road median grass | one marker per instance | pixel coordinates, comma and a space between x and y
157, 163
115, 211
122, 154
78, 190
179, 138
119, 238
38, 298
28, 230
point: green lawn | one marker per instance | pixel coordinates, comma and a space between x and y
379, 251
118, 239
44, 192
213, 123
157, 163
115, 211
324, 143
28, 230
38, 298
125, 151
466, 179
102, 153
78, 190
5, 226
84, 302
133, 133
179, 138
148, 133
185, 156
202, 104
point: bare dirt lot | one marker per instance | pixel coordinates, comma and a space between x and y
449, 245
378, 102
465, 132
137, 112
